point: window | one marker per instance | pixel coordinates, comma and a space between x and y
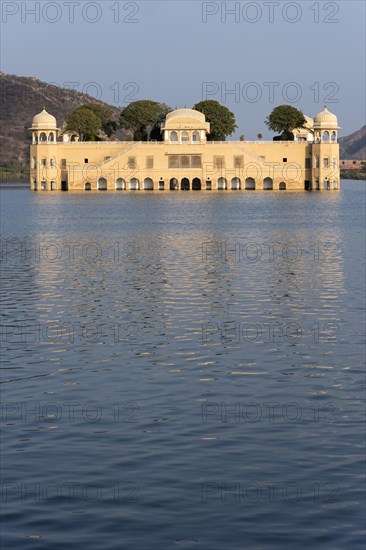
196, 161
174, 137
173, 161
196, 137
34, 162
86, 161
334, 162
219, 162
131, 163
185, 161
52, 163
149, 162
316, 162
43, 162
307, 162
284, 159
325, 136
63, 163
185, 136
326, 162
238, 162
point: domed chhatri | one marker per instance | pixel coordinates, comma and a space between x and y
44, 128
44, 121
185, 159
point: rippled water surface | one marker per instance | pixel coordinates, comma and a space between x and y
183, 370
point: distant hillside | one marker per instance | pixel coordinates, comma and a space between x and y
354, 146
23, 97
20, 99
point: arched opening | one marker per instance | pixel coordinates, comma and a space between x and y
161, 185
221, 184
73, 137
335, 184
34, 162
196, 184
282, 186
196, 137
35, 138
120, 184
173, 137
250, 184
102, 184
173, 184
148, 184
235, 184
53, 185
43, 137
134, 184
184, 184
325, 136
185, 136
268, 184
208, 185
326, 184
51, 136
88, 186
43, 185
334, 136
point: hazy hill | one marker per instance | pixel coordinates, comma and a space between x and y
354, 146
20, 99
23, 97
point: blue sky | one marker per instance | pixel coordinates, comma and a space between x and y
250, 56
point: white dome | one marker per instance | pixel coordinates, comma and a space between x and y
44, 121
186, 113
326, 119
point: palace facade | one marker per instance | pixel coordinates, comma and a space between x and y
185, 159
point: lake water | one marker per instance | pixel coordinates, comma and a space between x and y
183, 370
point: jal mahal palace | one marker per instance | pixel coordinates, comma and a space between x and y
185, 160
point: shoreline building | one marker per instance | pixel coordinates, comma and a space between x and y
185, 160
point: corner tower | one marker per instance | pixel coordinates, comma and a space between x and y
326, 167
43, 170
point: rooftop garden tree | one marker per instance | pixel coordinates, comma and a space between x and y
221, 119
144, 118
84, 122
284, 119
